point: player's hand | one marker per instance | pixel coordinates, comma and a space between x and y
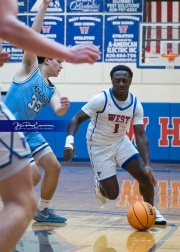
47, 1
4, 58
84, 53
69, 152
151, 175
64, 102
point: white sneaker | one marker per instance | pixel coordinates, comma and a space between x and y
99, 196
160, 220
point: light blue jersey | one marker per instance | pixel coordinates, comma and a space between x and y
26, 99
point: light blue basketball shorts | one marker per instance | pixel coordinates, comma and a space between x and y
38, 145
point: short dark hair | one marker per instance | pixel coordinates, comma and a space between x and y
40, 59
121, 68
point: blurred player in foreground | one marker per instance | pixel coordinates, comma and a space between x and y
4, 57
16, 186
111, 113
30, 91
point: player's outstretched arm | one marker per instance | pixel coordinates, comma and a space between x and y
69, 148
38, 20
29, 60
20, 35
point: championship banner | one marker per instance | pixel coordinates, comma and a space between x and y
85, 6
15, 53
52, 27
123, 6
84, 29
54, 6
121, 38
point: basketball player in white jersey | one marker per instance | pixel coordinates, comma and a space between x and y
111, 113
16, 187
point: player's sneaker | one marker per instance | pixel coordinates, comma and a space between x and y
99, 196
160, 220
48, 215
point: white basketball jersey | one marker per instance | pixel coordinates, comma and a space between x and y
110, 118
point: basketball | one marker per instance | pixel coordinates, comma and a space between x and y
141, 216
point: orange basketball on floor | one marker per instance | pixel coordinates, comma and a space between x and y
141, 216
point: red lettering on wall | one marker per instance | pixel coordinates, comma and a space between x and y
166, 131
130, 133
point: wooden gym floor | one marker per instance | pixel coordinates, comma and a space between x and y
92, 227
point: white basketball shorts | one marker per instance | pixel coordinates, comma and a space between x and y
106, 158
14, 150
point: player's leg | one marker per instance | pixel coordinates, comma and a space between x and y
48, 161
130, 160
137, 170
52, 167
19, 207
44, 157
36, 174
104, 166
16, 188
109, 187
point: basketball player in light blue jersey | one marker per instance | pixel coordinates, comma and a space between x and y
28, 94
111, 113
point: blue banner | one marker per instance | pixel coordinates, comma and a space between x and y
33, 125
52, 27
15, 53
22, 6
84, 29
85, 6
123, 6
54, 6
121, 38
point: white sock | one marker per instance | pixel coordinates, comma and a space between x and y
43, 204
